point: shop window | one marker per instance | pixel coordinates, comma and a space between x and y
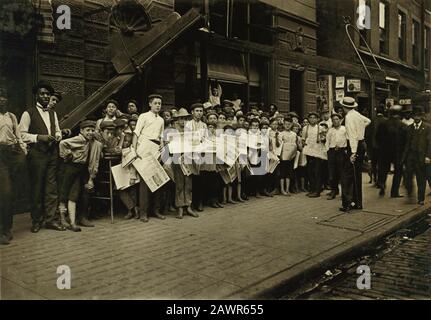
402, 35
229, 18
415, 42
383, 27
261, 18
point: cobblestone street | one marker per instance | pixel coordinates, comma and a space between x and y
234, 252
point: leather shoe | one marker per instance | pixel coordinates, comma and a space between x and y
421, 203
74, 228
84, 222
55, 226
331, 196
397, 196
345, 209
159, 216
314, 195
144, 218
35, 228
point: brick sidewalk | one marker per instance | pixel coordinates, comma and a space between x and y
236, 252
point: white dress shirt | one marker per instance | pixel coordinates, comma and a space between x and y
25, 122
336, 138
355, 124
197, 126
149, 126
416, 126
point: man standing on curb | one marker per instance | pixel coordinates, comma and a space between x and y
40, 130
355, 124
417, 154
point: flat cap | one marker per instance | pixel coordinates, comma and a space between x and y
155, 95
336, 115
196, 105
313, 113
107, 124
87, 123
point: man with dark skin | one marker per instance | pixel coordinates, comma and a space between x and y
40, 130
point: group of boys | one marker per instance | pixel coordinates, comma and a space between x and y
323, 151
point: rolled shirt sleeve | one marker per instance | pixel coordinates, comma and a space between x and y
24, 126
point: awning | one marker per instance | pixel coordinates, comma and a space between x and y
144, 48
94, 101
173, 28
225, 65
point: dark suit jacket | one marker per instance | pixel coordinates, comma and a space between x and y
391, 138
424, 142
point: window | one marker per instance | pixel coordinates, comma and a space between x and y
415, 42
364, 11
383, 27
402, 35
427, 56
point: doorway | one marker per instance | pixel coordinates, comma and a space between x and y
296, 91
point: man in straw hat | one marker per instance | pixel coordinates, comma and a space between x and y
40, 130
355, 124
417, 154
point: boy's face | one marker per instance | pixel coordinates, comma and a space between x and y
132, 125
167, 115
132, 108
181, 122
127, 141
111, 108
265, 127
198, 113
241, 122
254, 126
325, 116
215, 92
212, 118
295, 120
336, 122
312, 119
53, 101
108, 134
274, 125
295, 129
280, 120
246, 125
305, 122
222, 117
264, 119
43, 96
288, 125
88, 133
3, 103
155, 105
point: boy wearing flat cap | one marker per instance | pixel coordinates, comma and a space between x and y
80, 155
40, 130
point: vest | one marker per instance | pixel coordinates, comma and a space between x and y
37, 126
415, 142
